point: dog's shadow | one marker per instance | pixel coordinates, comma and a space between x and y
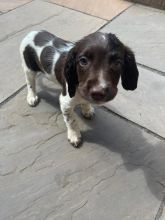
138, 149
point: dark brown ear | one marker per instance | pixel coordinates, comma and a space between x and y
70, 72
129, 77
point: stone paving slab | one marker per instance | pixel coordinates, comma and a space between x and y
7, 5
143, 29
25, 17
145, 105
106, 9
117, 174
65, 23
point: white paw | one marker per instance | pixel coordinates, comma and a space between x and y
32, 100
74, 137
89, 113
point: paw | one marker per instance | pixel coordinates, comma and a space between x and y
32, 100
74, 138
88, 114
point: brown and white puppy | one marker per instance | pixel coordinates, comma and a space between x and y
88, 71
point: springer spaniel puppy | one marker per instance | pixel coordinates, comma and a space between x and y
88, 71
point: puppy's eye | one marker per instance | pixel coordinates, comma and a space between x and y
83, 61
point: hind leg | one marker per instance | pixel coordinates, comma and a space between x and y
32, 98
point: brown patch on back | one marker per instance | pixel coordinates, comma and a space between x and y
42, 38
58, 42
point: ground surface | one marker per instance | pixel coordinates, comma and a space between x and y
119, 173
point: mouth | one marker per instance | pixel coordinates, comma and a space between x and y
101, 101
97, 99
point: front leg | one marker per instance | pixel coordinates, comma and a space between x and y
67, 107
87, 110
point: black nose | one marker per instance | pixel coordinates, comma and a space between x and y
98, 94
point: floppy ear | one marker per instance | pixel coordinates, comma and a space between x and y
129, 77
70, 72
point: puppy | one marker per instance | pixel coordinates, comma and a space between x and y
88, 71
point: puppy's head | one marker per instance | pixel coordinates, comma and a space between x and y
96, 63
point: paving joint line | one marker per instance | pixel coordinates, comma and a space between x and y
95, 16
151, 69
3, 13
12, 96
102, 26
160, 210
133, 123
109, 21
